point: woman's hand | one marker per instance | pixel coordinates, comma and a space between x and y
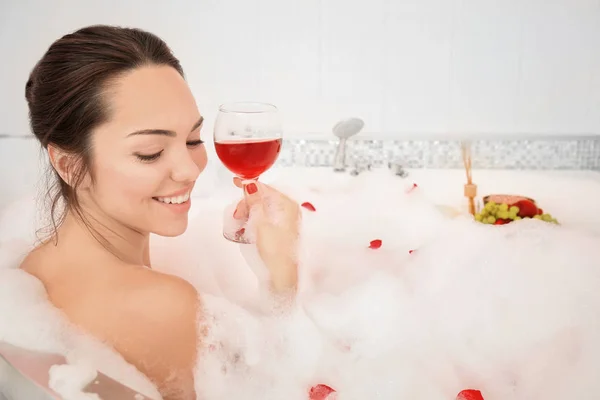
276, 219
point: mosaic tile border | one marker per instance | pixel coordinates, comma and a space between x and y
564, 153
537, 153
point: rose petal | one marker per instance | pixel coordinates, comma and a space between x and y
413, 187
411, 251
308, 206
320, 392
375, 244
469, 394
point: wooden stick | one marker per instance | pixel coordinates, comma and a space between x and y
470, 187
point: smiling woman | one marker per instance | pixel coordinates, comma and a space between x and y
123, 135
122, 131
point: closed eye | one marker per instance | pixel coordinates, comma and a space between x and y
194, 143
149, 157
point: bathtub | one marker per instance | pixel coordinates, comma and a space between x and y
570, 196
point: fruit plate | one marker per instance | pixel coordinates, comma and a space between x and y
501, 209
509, 199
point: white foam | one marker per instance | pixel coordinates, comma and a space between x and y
510, 310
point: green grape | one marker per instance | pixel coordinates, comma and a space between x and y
503, 214
537, 216
514, 209
484, 213
517, 218
490, 206
512, 215
503, 207
478, 217
554, 221
547, 217
491, 219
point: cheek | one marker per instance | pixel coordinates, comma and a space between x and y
128, 183
200, 158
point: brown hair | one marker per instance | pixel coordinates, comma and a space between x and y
65, 95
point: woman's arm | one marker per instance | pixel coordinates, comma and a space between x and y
276, 235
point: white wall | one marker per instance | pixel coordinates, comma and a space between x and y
408, 67
405, 66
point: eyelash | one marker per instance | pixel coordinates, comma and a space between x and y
152, 157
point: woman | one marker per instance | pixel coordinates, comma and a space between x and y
123, 136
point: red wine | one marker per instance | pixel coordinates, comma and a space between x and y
248, 158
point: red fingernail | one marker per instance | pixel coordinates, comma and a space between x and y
251, 188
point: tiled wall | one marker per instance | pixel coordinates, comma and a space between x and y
551, 153
409, 68
448, 67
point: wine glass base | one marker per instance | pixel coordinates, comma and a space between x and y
237, 237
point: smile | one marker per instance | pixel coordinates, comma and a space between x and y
175, 199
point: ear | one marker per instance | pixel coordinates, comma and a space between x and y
62, 162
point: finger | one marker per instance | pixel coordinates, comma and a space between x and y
241, 210
286, 203
253, 194
237, 182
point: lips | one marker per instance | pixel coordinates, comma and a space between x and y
182, 198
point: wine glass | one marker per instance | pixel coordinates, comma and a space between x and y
247, 138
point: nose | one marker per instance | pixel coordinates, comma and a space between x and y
185, 168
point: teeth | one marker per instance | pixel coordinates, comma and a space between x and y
174, 200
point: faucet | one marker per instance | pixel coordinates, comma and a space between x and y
344, 130
397, 169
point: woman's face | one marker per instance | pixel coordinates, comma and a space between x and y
146, 158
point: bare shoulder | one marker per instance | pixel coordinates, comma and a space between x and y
148, 317
156, 327
150, 294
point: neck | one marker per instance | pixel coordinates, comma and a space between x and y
103, 233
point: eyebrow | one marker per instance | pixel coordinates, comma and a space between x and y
165, 132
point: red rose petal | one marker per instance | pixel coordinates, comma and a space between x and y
413, 187
375, 244
308, 206
320, 392
469, 394
411, 251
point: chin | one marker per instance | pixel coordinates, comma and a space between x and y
172, 229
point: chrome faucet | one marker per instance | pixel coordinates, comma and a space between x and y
344, 130
397, 169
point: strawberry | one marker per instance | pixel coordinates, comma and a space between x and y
308, 206
375, 244
320, 392
527, 209
501, 221
469, 394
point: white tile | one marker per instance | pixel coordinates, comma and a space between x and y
227, 47
352, 62
592, 119
559, 43
21, 169
417, 66
289, 60
485, 65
